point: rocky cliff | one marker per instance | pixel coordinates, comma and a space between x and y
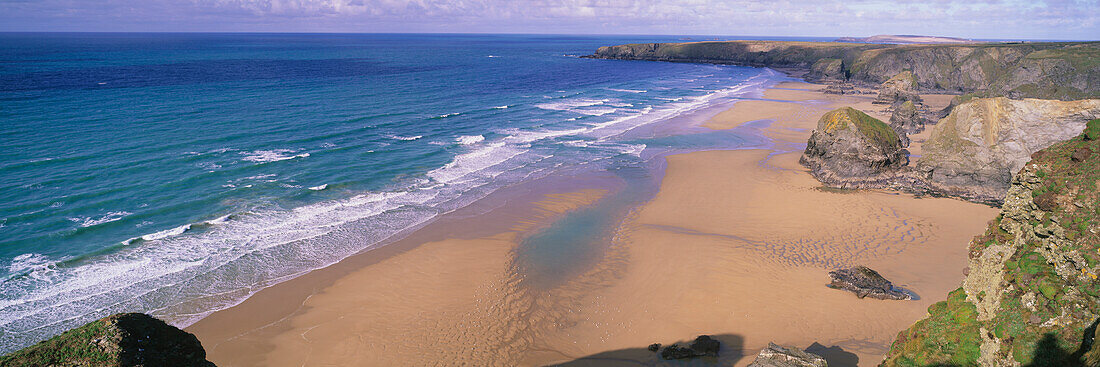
130, 339
975, 150
1031, 295
1051, 70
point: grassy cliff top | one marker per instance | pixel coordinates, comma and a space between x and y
842, 118
127, 339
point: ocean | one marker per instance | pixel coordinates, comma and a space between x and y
177, 174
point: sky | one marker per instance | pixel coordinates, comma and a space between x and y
979, 19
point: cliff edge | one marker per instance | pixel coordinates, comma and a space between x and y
1049, 70
1031, 295
128, 339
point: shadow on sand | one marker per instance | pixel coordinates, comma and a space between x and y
836, 356
730, 353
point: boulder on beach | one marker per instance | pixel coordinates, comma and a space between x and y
127, 339
848, 143
777, 356
703, 346
865, 282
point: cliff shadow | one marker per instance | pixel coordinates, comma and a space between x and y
836, 356
731, 351
1048, 353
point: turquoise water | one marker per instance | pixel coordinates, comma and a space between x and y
177, 174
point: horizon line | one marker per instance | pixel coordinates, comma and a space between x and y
521, 33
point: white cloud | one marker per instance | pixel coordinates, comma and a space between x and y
969, 18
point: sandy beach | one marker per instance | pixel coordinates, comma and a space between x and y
736, 244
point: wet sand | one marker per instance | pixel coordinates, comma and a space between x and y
735, 244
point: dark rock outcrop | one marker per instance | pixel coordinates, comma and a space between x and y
828, 70
777, 356
1053, 70
703, 346
129, 339
865, 282
848, 148
906, 119
898, 89
1031, 296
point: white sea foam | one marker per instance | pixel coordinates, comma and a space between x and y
475, 161
273, 155
406, 138
595, 111
523, 137
568, 105
28, 262
319, 187
628, 90
470, 139
106, 218
500, 107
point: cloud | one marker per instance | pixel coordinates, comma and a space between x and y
973, 18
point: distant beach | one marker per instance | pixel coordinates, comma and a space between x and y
731, 243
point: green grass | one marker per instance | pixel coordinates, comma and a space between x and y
73, 347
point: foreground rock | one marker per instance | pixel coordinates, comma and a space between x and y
130, 339
777, 356
1031, 295
865, 282
850, 148
974, 151
703, 346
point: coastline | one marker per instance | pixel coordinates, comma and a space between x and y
728, 247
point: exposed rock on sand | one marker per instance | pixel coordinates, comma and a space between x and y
899, 88
703, 346
129, 339
849, 147
777, 356
1031, 296
975, 150
865, 282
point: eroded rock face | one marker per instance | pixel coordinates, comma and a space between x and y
865, 282
898, 89
1031, 296
777, 356
975, 150
129, 339
906, 119
848, 146
827, 70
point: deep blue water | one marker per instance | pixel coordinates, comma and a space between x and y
179, 173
